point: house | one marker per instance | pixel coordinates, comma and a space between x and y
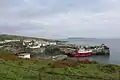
28, 40
43, 44
47, 43
53, 43
11, 40
33, 47
24, 55
24, 43
1, 42
40, 45
1, 46
27, 43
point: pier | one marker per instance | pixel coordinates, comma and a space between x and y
96, 50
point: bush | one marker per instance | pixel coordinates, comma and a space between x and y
108, 68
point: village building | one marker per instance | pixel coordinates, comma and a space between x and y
24, 55
11, 40
34, 47
29, 40
53, 43
1, 42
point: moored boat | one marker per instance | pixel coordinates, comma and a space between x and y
82, 53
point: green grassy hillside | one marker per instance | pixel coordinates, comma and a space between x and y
11, 37
13, 68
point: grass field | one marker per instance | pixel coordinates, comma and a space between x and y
48, 70
12, 68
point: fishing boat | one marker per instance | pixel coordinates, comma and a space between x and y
82, 53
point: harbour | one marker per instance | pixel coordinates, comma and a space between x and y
101, 50
113, 44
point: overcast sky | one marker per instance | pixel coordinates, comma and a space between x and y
61, 18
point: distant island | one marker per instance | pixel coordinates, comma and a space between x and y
81, 38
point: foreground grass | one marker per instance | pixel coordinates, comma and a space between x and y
47, 70
12, 68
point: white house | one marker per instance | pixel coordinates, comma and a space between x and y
25, 55
43, 44
40, 45
30, 44
1, 46
11, 40
1, 42
23, 43
33, 47
53, 43
47, 43
28, 40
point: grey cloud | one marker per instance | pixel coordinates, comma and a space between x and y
20, 27
60, 18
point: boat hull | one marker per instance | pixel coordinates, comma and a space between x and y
85, 54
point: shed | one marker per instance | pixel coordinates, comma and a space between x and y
24, 55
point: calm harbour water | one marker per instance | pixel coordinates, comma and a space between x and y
113, 44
